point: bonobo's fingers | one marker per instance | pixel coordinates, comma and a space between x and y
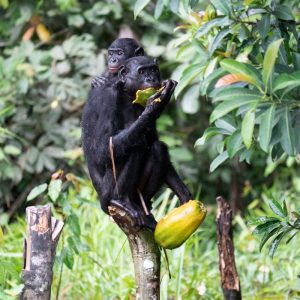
98, 81
129, 209
119, 84
169, 87
151, 100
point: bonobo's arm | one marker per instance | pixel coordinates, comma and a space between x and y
124, 140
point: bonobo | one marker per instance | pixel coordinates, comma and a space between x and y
126, 161
118, 52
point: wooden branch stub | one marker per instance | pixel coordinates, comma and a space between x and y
42, 235
229, 277
145, 255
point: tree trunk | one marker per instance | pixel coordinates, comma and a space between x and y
145, 255
229, 277
43, 232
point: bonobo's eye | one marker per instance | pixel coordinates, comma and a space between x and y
141, 71
110, 53
120, 52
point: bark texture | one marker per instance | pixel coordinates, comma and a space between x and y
42, 235
145, 255
229, 277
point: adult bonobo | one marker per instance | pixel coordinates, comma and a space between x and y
126, 161
119, 51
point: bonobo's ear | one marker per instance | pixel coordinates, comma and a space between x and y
122, 72
139, 51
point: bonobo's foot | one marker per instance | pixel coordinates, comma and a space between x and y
130, 209
142, 220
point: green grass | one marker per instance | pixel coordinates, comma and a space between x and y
103, 269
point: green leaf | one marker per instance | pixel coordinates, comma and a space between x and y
222, 5
68, 257
218, 161
206, 27
188, 75
139, 6
277, 241
37, 191
74, 225
158, 9
269, 60
208, 83
235, 67
248, 127
214, 44
234, 144
292, 236
233, 93
260, 220
227, 106
286, 80
266, 127
208, 133
266, 227
283, 12
285, 211
287, 134
264, 25
266, 237
54, 189
276, 208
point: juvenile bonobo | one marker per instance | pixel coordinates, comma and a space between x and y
111, 122
120, 50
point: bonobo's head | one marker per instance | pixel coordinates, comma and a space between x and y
140, 73
120, 50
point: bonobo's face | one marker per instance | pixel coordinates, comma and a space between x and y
140, 73
120, 50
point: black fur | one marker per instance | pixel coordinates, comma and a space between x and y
129, 48
142, 161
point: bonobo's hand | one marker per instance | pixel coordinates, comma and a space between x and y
98, 81
158, 101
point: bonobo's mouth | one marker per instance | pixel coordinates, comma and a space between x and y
147, 85
113, 69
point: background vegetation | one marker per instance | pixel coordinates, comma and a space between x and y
237, 101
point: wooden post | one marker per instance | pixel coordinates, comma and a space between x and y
229, 277
42, 235
145, 255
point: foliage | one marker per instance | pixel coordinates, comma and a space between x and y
282, 225
259, 97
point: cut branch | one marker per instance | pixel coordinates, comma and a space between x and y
43, 232
229, 277
145, 255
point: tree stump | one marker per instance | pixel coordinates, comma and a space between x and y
229, 277
145, 254
43, 233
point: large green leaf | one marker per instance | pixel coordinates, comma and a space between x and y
266, 127
234, 144
266, 227
222, 5
269, 61
37, 191
277, 240
287, 133
188, 75
214, 44
208, 133
267, 236
204, 29
54, 189
139, 6
228, 106
234, 93
286, 80
248, 127
218, 161
276, 208
235, 67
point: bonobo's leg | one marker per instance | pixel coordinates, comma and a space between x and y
159, 170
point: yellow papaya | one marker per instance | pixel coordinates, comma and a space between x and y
179, 224
142, 96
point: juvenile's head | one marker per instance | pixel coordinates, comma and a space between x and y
120, 50
140, 73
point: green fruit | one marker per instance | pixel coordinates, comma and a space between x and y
142, 96
179, 224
